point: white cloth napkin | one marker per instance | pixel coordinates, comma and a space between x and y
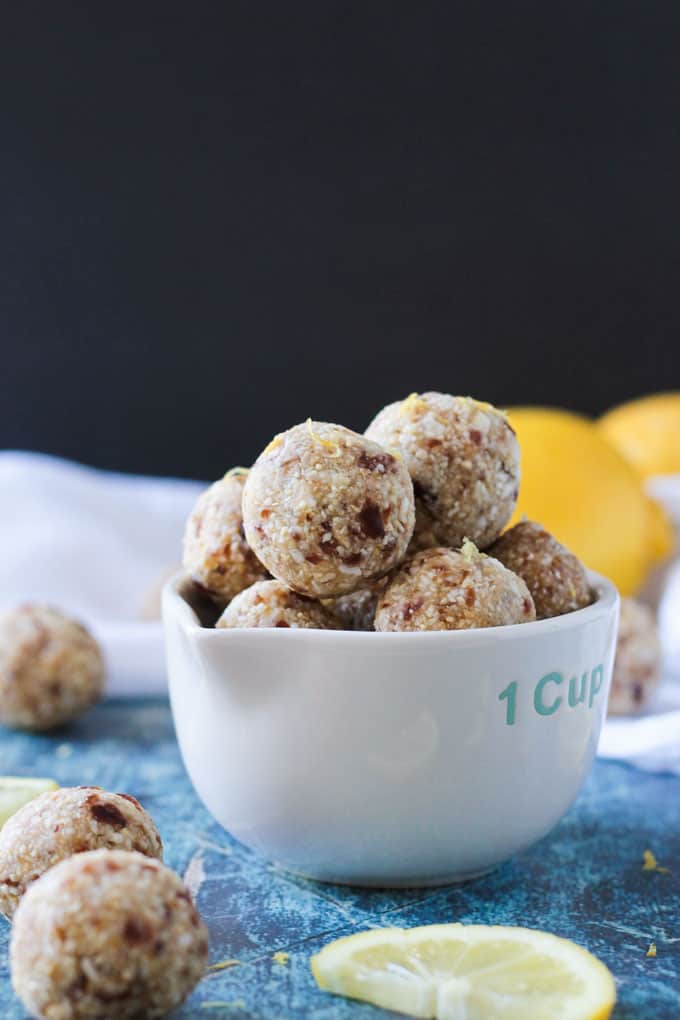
97, 544
94, 544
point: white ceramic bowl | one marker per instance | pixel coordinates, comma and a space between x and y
390, 759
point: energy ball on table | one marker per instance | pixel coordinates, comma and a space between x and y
106, 934
463, 457
51, 668
443, 589
555, 577
69, 821
327, 510
271, 604
637, 666
216, 553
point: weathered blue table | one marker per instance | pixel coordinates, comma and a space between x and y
585, 881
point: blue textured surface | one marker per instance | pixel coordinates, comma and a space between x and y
585, 881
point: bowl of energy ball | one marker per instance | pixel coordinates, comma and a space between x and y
374, 679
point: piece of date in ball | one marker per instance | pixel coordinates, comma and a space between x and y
326, 509
446, 589
463, 457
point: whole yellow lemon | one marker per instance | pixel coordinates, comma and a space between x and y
661, 534
647, 432
584, 492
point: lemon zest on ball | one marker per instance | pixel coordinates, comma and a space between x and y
237, 472
415, 403
650, 863
275, 443
652, 949
281, 958
484, 405
470, 551
332, 447
412, 402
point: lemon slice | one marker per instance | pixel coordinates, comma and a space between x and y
468, 972
15, 791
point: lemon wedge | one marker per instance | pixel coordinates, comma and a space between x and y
468, 972
15, 791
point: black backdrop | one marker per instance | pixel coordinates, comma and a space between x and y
219, 218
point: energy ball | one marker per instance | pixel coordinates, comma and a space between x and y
106, 934
51, 668
423, 533
463, 457
444, 589
271, 604
58, 824
555, 577
637, 666
216, 553
356, 611
327, 510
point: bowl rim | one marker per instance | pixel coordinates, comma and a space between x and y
176, 606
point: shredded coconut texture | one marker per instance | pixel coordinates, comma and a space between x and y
327, 510
51, 668
64, 822
463, 457
216, 553
272, 604
441, 589
555, 577
106, 934
637, 666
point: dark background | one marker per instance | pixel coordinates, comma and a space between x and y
219, 218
